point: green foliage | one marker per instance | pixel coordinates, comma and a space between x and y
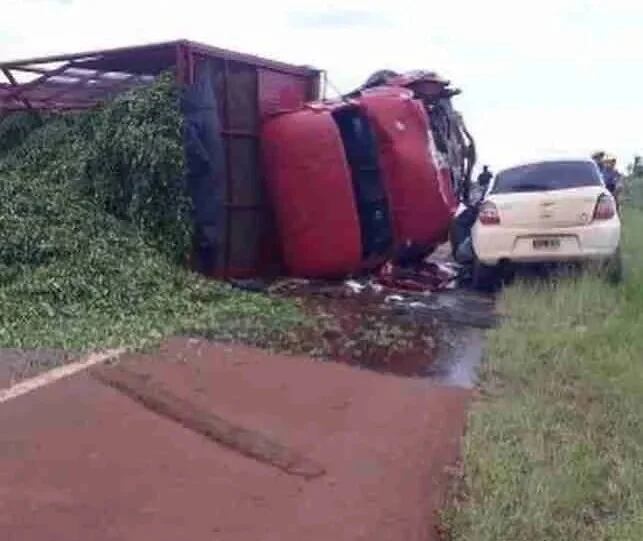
555, 450
73, 276
92, 221
126, 156
15, 127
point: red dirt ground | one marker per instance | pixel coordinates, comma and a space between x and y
79, 460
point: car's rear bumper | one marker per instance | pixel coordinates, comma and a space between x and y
598, 240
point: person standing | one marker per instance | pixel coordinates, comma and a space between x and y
610, 174
485, 177
613, 179
599, 157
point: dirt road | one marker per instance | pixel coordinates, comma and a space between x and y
80, 460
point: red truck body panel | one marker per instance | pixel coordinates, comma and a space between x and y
420, 197
313, 190
308, 179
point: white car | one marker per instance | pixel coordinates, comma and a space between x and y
554, 211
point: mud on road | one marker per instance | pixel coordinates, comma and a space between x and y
416, 334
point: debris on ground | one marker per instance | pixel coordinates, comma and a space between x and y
395, 325
426, 276
364, 332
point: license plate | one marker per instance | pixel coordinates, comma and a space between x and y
546, 244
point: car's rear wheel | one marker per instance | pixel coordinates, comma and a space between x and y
485, 277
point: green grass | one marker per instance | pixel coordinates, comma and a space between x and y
554, 448
633, 192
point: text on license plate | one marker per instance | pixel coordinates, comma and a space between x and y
546, 244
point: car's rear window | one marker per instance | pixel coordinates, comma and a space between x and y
547, 176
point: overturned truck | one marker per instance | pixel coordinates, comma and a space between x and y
282, 180
357, 181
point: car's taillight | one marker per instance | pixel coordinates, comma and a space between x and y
489, 214
605, 207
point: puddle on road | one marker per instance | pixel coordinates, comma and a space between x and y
461, 317
458, 362
438, 336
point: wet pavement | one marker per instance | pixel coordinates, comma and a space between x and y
434, 335
459, 336
458, 306
459, 359
462, 317
435, 323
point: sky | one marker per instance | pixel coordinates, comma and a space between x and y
540, 79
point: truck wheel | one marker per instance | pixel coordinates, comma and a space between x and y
485, 277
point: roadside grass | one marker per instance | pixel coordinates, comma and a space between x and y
633, 193
554, 448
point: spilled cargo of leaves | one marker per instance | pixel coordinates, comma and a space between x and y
94, 227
